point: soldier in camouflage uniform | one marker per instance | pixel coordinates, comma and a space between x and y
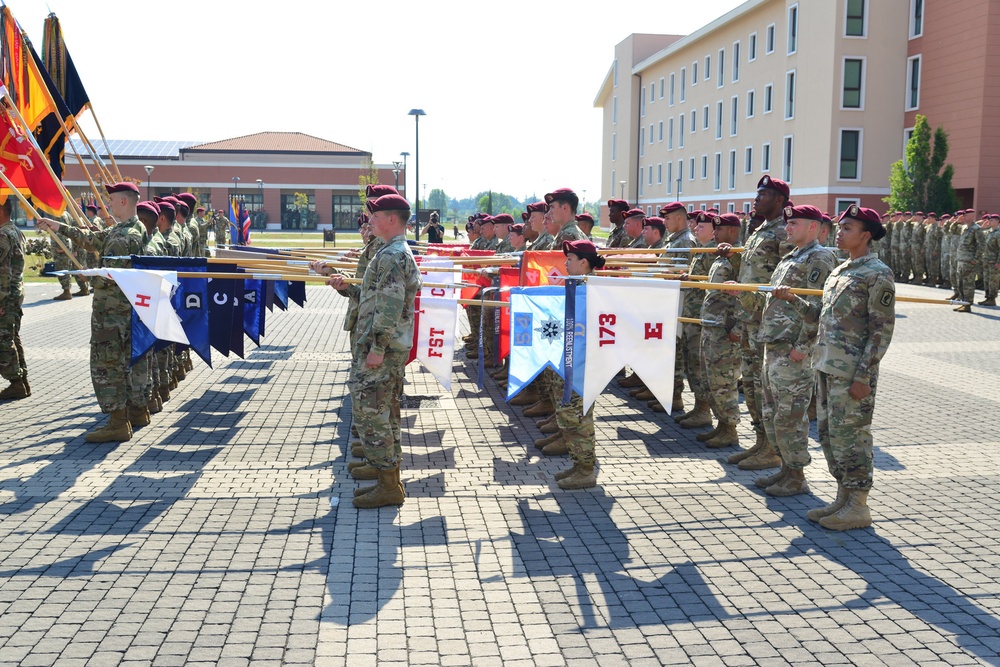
947, 222
720, 338
96, 224
932, 250
856, 321
165, 379
502, 223
991, 263
788, 331
221, 223
884, 247
534, 396
203, 223
13, 365
971, 249
957, 226
917, 237
381, 346
111, 322
616, 214
197, 240
64, 263
148, 212
634, 226
763, 250
906, 248
487, 241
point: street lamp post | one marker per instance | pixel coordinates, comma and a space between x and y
622, 184
404, 155
678, 187
395, 173
149, 177
417, 113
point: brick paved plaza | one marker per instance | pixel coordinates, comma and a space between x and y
209, 539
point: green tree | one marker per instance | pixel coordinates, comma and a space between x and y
923, 181
437, 199
501, 203
368, 176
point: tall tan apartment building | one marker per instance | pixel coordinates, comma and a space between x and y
820, 93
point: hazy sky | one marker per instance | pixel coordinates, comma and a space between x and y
508, 87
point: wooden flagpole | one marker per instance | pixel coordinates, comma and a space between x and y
34, 214
105, 140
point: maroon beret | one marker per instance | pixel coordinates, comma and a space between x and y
932, 214
693, 215
634, 212
480, 216
671, 207
524, 216
376, 191
486, 220
714, 210
200, 208
619, 204
585, 217
471, 218
946, 216
708, 216
470, 226
806, 211
561, 194
92, 207
503, 219
362, 220
389, 202
164, 206
994, 216
517, 229
775, 184
150, 206
581, 247
188, 199
728, 220
911, 213
537, 207
870, 218
123, 186
656, 223
970, 210
919, 213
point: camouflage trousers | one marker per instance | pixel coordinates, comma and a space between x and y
111, 349
953, 276
63, 263
918, 265
690, 341
13, 366
965, 286
752, 355
932, 262
993, 284
375, 395
845, 430
720, 362
164, 366
788, 388
576, 426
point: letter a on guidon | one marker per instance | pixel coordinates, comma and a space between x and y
631, 322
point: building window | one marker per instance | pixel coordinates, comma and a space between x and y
752, 48
704, 167
650, 134
672, 77
765, 158
294, 218
614, 183
652, 93
704, 117
614, 145
721, 81
718, 120
751, 99
769, 45
659, 174
683, 84
670, 177
345, 211
708, 67
853, 84
691, 169
786, 160
907, 135
650, 174
614, 110
718, 171
680, 175
641, 182
735, 114
616, 73
694, 120
855, 23
661, 87
916, 18
736, 62
659, 131
642, 142
670, 134
912, 83
850, 155
680, 133
748, 160
768, 98
642, 103
790, 95
793, 29
844, 204
694, 73
732, 170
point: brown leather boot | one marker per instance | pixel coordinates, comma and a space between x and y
747, 453
766, 457
818, 513
354, 431
678, 403
388, 491
17, 390
64, 296
83, 291
708, 435
371, 487
631, 382
358, 451
853, 514
792, 484
726, 437
364, 471
118, 429
164, 392
549, 427
545, 420
542, 443
355, 464
634, 392
764, 482
154, 405
542, 408
967, 308
563, 474
556, 448
526, 397
656, 406
699, 417
585, 477
645, 395
138, 416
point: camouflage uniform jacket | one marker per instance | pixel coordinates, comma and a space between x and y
11, 266
638, 242
157, 245
182, 236
856, 320
195, 232
504, 247
385, 307
991, 254
543, 242
692, 299
569, 232
174, 243
972, 244
719, 308
761, 254
126, 238
795, 321
618, 238
353, 292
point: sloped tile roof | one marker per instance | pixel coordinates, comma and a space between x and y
275, 142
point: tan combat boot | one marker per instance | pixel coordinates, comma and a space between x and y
83, 291
708, 435
699, 417
64, 296
388, 491
138, 416
542, 443
117, 429
549, 427
792, 484
363, 471
154, 406
557, 447
545, 420
354, 431
563, 474
818, 513
656, 406
764, 482
766, 457
18, 389
526, 397
631, 382
164, 392
371, 487
747, 453
585, 477
355, 464
726, 437
645, 395
358, 451
678, 403
542, 408
853, 514
967, 308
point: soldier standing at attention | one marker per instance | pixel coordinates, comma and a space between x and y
991, 263
788, 331
111, 322
971, 249
856, 321
616, 214
917, 239
221, 229
382, 344
13, 365
932, 250
635, 221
